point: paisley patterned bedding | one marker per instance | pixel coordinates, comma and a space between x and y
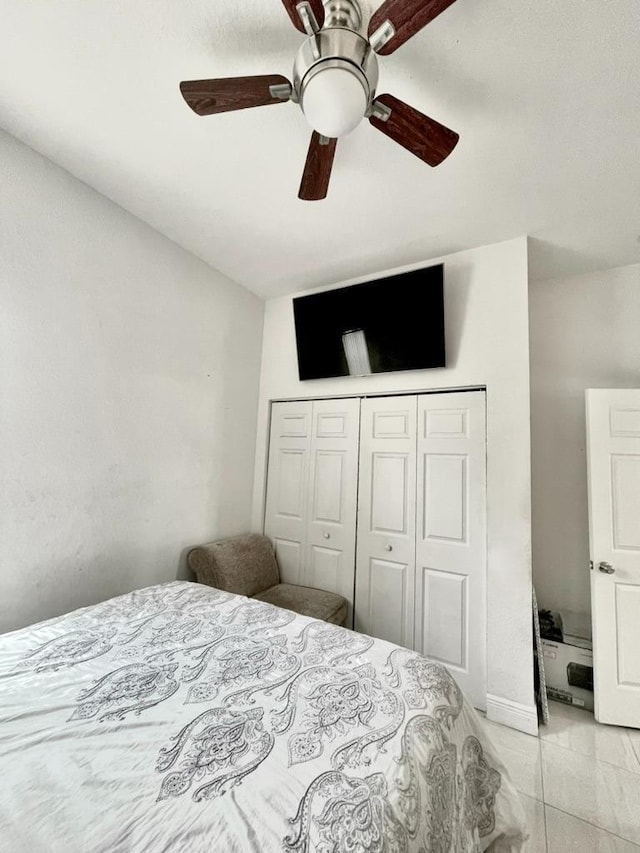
181, 718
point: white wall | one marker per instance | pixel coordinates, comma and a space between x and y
487, 344
585, 333
129, 378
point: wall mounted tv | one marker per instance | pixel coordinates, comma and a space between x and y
394, 323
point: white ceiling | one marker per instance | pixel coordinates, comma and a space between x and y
544, 94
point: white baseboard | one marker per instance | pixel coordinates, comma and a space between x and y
524, 718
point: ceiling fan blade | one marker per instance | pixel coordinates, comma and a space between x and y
317, 170
423, 136
309, 10
407, 17
208, 97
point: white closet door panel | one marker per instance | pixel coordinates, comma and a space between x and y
289, 495
289, 557
286, 515
385, 562
450, 619
444, 617
328, 486
332, 498
389, 511
385, 607
325, 565
445, 497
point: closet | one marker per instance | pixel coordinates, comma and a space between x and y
383, 499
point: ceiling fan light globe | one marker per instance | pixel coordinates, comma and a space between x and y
334, 102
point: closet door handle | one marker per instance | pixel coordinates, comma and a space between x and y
388, 547
327, 536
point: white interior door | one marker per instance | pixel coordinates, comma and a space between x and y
613, 434
385, 562
287, 504
450, 609
332, 495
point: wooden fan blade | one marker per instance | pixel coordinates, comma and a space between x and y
408, 17
317, 170
208, 97
314, 6
419, 134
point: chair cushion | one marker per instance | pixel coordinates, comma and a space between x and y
316, 603
245, 564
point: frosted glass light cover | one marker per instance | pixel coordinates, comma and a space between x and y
334, 102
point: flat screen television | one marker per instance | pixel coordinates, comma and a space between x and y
394, 323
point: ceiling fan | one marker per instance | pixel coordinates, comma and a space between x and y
334, 81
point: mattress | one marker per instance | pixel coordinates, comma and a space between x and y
182, 718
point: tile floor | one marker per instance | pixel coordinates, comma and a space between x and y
579, 782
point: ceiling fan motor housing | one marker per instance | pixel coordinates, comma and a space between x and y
335, 74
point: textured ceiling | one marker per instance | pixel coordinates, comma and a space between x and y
543, 93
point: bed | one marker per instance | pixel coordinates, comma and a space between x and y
182, 718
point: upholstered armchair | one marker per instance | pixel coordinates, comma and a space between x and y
246, 565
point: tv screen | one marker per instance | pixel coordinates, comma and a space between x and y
395, 323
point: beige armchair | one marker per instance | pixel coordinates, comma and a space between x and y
246, 565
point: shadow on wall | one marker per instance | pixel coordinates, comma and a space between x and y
184, 572
457, 292
549, 260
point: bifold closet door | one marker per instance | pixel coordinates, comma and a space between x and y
312, 486
333, 491
385, 562
450, 614
286, 513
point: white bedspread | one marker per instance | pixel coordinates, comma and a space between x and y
180, 718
